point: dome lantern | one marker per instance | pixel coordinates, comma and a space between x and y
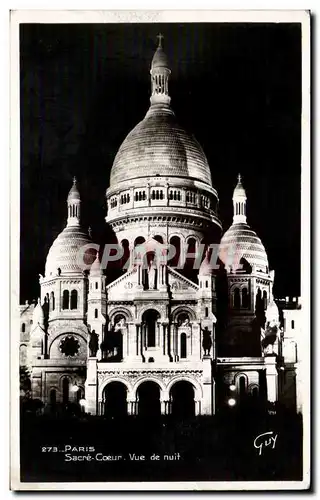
73, 202
239, 203
160, 73
65, 254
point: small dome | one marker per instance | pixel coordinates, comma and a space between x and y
38, 315
159, 146
96, 269
272, 312
239, 191
241, 242
160, 59
206, 268
64, 252
74, 192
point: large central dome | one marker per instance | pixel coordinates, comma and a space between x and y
158, 146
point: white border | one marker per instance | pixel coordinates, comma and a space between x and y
135, 16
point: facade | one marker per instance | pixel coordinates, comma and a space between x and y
183, 328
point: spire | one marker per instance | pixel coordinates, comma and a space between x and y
160, 73
160, 38
96, 269
73, 202
239, 203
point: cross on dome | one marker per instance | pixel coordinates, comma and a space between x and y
160, 38
239, 203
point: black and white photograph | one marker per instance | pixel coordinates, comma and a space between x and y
160, 331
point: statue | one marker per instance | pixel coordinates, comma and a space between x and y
93, 344
271, 331
152, 275
206, 341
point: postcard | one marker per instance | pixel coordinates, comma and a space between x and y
160, 325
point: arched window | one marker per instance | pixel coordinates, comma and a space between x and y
255, 393
175, 241
245, 298
65, 390
242, 387
292, 324
206, 312
236, 298
183, 318
150, 319
265, 299
96, 313
183, 346
74, 299
158, 238
125, 259
207, 284
65, 299
23, 327
53, 398
96, 285
52, 301
191, 252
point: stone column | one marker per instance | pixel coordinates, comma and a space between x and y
300, 385
125, 342
132, 340
131, 406
196, 341
164, 337
272, 378
138, 339
164, 404
91, 386
207, 405
158, 334
197, 407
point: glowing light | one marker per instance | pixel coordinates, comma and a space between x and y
231, 402
232, 387
74, 388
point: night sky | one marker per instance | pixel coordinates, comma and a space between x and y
236, 87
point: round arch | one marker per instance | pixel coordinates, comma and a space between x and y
183, 309
68, 331
148, 379
114, 399
120, 310
120, 379
148, 398
147, 308
182, 399
198, 394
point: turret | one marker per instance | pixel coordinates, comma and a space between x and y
37, 334
96, 316
160, 74
74, 202
239, 203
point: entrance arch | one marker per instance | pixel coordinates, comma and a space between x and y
115, 399
182, 399
148, 396
149, 324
